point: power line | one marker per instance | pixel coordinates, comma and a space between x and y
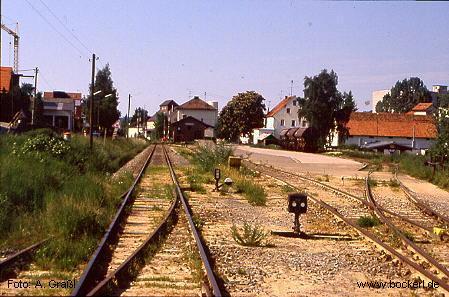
65, 27
53, 27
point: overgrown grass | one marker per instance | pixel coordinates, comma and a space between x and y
250, 235
413, 165
368, 221
209, 157
245, 185
49, 187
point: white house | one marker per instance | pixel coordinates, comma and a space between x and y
283, 116
206, 112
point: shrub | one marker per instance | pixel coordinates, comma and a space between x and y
368, 221
252, 191
252, 235
209, 157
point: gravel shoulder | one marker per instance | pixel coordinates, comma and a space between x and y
434, 196
292, 267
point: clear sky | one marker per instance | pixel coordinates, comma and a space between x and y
162, 50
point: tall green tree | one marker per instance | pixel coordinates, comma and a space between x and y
404, 95
243, 113
139, 114
105, 111
158, 131
324, 107
342, 115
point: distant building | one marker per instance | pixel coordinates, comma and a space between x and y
76, 116
59, 112
206, 112
376, 97
283, 116
422, 109
9, 94
189, 129
416, 132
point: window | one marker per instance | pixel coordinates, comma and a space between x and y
304, 123
184, 116
293, 123
288, 110
294, 102
282, 122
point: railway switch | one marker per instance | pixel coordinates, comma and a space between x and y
297, 204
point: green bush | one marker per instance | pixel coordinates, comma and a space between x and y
209, 157
252, 235
50, 187
368, 221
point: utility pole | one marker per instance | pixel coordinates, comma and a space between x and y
91, 140
33, 108
127, 119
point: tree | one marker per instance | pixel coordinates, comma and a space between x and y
105, 111
404, 95
139, 113
27, 89
243, 113
324, 107
158, 131
342, 115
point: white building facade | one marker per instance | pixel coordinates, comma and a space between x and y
283, 116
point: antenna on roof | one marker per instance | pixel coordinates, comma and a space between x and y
291, 89
205, 96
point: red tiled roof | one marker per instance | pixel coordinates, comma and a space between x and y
278, 107
391, 125
51, 95
5, 78
422, 107
196, 103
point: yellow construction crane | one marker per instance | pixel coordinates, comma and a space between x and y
16, 47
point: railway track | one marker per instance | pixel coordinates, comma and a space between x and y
157, 249
417, 247
418, 259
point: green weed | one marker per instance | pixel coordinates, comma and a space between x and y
368, 221
252, 235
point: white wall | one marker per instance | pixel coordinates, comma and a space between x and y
275, 121
420, 143
207, 116
376, 97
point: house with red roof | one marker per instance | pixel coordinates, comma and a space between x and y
414, 132
283, 116
194, 119
206, 112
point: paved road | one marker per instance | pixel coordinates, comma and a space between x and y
301, 162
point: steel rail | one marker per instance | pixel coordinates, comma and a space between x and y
93, 271
407, 242
209, 271
351, 196
11, 261
368, 235
419, 203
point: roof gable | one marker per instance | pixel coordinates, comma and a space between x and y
281, 105
196, 103
168, 102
